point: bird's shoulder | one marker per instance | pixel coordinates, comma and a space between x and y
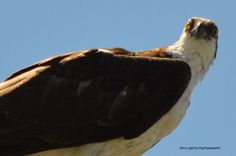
157, 53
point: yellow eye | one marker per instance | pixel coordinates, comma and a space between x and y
215, 32
187, 26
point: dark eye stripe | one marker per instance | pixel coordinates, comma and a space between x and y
212, 26
212, 29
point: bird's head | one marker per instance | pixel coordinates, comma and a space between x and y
201, 28
198, 42
200, 35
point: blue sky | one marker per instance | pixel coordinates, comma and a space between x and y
34, 30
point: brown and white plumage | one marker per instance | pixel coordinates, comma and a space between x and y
104, 101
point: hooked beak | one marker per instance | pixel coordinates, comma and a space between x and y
200, 31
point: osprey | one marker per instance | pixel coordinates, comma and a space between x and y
105, 101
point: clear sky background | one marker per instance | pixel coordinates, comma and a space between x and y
33, 30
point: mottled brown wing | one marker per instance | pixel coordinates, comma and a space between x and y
86, 97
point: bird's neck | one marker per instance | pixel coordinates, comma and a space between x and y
198, 53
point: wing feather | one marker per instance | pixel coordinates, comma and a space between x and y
86, 97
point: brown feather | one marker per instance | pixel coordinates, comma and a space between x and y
123, 94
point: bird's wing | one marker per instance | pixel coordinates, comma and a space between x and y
86, 97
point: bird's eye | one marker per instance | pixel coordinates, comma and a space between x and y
215, 32
187, 26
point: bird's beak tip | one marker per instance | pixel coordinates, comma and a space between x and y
199, 33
